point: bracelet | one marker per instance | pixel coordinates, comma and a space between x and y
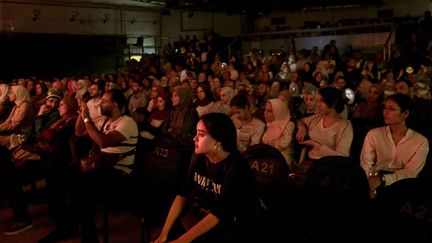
87, 120
382, 179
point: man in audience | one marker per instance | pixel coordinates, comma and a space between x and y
137, 102
420, 115
116, 140
48, 112
93, 104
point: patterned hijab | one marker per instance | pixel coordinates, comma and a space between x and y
282, 117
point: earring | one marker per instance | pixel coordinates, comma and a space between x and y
217, 147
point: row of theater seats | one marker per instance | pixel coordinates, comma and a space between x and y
330, 203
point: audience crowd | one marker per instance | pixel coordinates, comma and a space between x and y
326, 101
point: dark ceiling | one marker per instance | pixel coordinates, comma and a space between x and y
254, 6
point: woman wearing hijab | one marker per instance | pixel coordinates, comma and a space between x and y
159, 114
205, 102
22, 115
52, 146
279, 129
81, 89
183, 119
223, 106
5, 104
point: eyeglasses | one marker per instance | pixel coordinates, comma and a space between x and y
391, 108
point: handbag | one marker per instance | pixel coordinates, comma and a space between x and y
96, 160
91, 162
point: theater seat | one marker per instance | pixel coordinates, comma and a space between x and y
276, 194
161, 168
336, 198
406, 208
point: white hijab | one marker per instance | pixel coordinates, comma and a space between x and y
282, 117
21, 93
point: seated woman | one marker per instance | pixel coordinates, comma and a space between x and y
223, 106
52, 144
326, 133
249, 128
279, 131
219, 187
39, 98
157, 116
183, 118
393, 152
5, 104
21, 117
205, 102
50, 150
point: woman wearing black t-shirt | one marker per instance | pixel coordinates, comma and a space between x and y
219, 191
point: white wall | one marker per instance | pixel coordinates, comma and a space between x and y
89, 20
221, 23
296, 19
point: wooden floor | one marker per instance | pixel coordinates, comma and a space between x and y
123, 226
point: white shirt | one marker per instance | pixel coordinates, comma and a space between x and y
405, 159
336, 140
249, 133
95, 112
129, 129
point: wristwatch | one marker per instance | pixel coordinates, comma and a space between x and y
87, 119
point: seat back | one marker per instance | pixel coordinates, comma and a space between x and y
165, 162
336, 197
271, 176
406, 208
269, 167
160, 168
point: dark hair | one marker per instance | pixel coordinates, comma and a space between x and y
43, 87
403, 101
205, 86
240, 101
333, 98
138, 82
404, 80
117, 97
101, 84
222, 129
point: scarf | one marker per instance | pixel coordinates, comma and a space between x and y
182, 108
21, 93
282, 117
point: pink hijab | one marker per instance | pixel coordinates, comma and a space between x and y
282, 117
